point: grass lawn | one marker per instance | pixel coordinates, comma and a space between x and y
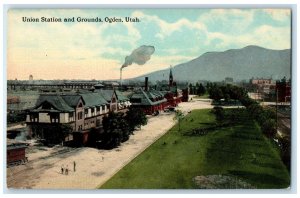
175, 159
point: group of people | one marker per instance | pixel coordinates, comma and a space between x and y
65, 170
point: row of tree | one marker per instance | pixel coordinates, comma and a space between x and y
197, 89
265, 117
226, 92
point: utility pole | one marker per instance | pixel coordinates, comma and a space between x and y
276, 109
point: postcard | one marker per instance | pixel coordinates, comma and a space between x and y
136, 98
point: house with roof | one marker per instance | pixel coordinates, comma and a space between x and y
81, 111
150, 101
94, 108
123, 101
111, 98
53, 110
115, 99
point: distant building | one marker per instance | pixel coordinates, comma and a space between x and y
283, 89
149, 100
13, 103
263, 86
261, 81
164, 95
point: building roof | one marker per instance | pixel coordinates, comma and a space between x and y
72, 100
68, 102
12, 144
145, 100
93, 99
56, 101
99, 85
151, 95
106, 93
121, 97
157, 93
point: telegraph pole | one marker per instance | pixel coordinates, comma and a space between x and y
276, 109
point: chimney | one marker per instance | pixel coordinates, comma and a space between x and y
121, 77
146, 83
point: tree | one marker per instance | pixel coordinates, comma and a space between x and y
201, 90
191, 88
115, 130
66, 130
178, 116
216, 93
136, 117
93, 136
227, 97
220, 114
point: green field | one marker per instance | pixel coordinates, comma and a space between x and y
239, 150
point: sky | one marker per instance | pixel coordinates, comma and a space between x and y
91, 50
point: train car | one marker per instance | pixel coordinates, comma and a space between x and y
16, 154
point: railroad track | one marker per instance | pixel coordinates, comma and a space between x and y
32, 169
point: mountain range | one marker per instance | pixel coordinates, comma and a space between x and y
239, 64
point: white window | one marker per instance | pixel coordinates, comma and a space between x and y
71, 117
86, 111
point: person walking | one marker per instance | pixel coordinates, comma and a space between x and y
67, 170
62, 169
74, 166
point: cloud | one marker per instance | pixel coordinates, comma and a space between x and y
166, 29
264, 36
278, 14
233, 21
